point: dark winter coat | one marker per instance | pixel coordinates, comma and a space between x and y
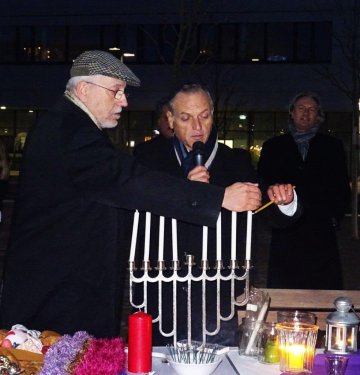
68, 245
306, 254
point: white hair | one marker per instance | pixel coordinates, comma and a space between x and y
73, 81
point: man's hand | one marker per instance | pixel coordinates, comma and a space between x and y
199, 173
281, 194
242, 196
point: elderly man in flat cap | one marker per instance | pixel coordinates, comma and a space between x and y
67, 249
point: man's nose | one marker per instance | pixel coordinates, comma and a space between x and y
197, 124
123, 101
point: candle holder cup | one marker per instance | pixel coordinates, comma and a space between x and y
336, 364
268, 344
249, 334
296, 316
297, 343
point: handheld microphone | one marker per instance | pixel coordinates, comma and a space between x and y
199, 152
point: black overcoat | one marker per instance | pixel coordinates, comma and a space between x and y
228, 166
64, 259
306, 254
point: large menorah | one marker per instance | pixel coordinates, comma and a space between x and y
232, 274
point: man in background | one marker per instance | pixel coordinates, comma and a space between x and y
162, 129
306, 255
162, 122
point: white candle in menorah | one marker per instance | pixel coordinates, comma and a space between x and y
231, 274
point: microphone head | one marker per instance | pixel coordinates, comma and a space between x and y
198, 149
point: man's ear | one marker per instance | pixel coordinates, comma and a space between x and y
291, 113
81, 90
170, 118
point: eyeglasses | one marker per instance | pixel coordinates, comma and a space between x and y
118, 94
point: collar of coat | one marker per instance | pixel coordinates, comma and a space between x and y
186, 158
69, 95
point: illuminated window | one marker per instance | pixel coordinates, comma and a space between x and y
227, 142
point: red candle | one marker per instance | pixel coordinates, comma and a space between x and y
139, 342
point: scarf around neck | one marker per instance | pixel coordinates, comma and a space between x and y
302, 139
81, 105
186, 158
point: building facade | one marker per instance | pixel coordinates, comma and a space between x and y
254, 56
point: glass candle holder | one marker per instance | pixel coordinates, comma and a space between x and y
336, 364
296, 316
297, 346
268, 344
249, 334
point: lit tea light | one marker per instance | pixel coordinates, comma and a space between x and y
296, 356
297, 346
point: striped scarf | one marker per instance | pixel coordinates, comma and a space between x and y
186, 158
302, 138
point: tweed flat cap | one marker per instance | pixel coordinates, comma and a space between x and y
95, 62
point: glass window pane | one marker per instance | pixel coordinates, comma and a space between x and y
83, 38
50, 44
26, 44
207, 41
118, 133
7, 134
322, 41
337, 123
239, 138
236, 121
140, 127
24, 120
233, 126
169, 42
7, 44
251, 42
128, 41
110, 37
228, 42
281, 122
7, 122
258, 140
263, 121
111, 40
303, 37
150, 43
280, 42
